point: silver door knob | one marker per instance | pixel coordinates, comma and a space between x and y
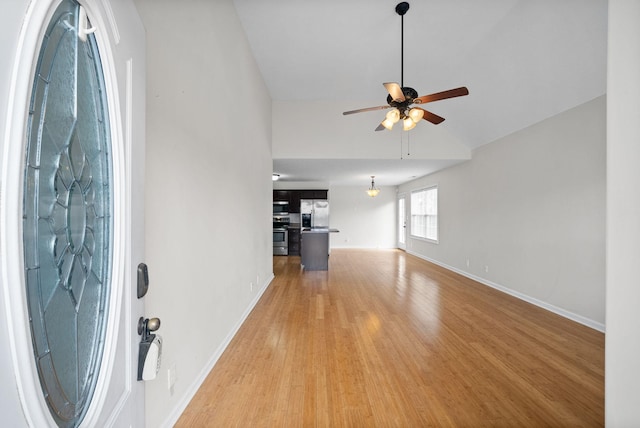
147, 325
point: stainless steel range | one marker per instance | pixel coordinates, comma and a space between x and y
280, 236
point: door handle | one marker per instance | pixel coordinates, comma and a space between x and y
146, 326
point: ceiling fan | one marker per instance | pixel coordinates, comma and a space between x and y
401, 98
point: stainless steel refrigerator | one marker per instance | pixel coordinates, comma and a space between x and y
314, 213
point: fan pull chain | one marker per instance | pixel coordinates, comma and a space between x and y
408, 144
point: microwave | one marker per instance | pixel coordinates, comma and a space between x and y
280, 207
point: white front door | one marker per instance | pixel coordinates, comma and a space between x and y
72, 220
402, 222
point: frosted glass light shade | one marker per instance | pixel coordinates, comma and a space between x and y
388, 124
416, 114
408, 124
393, 115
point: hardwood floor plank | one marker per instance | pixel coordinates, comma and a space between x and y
389, 340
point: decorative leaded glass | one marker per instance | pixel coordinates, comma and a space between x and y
67, 216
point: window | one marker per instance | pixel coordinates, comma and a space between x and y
424, 213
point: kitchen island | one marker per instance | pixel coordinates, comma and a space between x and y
314, 248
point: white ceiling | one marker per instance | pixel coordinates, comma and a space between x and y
523, 61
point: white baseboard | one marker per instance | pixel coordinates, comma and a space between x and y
199, 380
544, 305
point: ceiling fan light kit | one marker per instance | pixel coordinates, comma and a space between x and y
401, 98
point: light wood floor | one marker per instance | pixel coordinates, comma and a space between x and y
386, 339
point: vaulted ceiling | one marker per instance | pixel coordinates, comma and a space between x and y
523, 61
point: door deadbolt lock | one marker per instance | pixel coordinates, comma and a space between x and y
143, 280
150, 348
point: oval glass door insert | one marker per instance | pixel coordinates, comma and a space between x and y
67, 215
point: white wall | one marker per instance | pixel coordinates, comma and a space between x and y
208, 194
622, 368
528, 214
363, 221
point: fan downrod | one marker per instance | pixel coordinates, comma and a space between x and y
402, 8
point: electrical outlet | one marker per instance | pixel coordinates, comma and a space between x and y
467, 262
251, 286
486, 268
172, 377
258, 280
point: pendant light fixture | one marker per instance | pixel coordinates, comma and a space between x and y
373, 191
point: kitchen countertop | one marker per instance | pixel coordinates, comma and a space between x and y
319, 230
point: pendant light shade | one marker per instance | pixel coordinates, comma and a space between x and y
373, 191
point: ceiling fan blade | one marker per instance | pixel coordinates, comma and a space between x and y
395, 91
365, 109
380, 127
431, 117
451, 93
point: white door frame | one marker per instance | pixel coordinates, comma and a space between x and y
118, 398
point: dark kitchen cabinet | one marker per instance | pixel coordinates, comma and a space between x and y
313, 194
294, 197
281, 195
294, 242
294, 201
